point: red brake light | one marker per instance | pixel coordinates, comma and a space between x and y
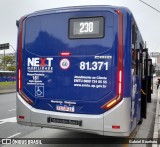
120, 83
65, 54
19, 80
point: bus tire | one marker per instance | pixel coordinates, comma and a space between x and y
140, 121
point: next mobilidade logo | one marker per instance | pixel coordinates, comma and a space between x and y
39, 64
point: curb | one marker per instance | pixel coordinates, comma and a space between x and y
7, 91
157, 120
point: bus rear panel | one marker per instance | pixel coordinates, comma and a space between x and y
74, 70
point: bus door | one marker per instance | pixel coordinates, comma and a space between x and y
136, 73
138, 81
152, 69
144, 87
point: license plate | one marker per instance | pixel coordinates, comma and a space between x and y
64, 121
65, 108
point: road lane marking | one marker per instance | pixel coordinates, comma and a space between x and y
11, 119
14, 135
12, 110
2, 122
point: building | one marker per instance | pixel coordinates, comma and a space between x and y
156, 61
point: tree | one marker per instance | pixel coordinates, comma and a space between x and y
11, 68
8, 62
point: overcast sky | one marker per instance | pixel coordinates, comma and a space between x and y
148, 20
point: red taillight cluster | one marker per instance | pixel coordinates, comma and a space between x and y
28, 100
20, 55
19, 79
120, 83
118, 97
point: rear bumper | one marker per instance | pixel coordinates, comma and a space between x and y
98, 124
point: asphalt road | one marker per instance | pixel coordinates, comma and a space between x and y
8, 125
10, 129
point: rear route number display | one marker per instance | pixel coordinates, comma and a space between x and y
90, 27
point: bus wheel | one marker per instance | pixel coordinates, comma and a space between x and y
140, 121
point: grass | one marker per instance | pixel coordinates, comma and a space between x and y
7, 83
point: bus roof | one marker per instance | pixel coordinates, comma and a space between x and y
78, 8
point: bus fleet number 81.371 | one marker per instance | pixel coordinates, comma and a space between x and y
93, 65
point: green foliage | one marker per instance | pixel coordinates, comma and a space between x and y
7, 83
11, 68
8, 63
8, 60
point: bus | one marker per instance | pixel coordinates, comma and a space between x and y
82, 68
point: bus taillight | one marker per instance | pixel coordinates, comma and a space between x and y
19, 80
120, 83
112, 102
28, 100
20, 55
118, 96
65, 54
